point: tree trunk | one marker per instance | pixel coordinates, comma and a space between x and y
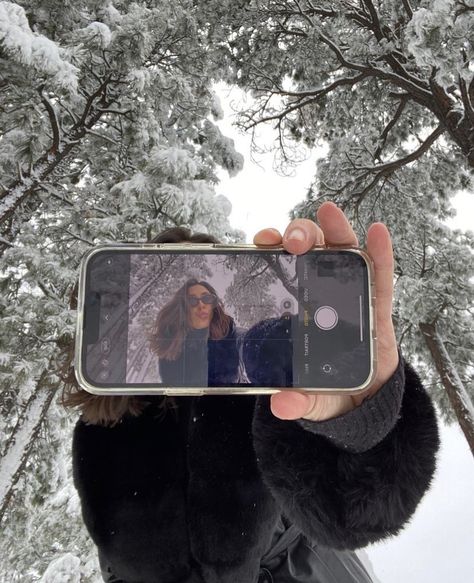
458, 396
22, 439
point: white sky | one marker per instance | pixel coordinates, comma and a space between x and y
438, 543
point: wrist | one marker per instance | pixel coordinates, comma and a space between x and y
366, 424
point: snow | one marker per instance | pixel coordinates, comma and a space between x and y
100, 33
34, 50
9, 202
139, 79
11, 459
436, 37
216, 108
455, 380
111, 14
64, 569
174, 163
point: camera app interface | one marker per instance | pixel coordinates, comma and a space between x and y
211, 319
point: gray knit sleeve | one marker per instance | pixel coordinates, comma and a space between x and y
362, 428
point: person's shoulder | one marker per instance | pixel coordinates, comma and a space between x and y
151, 408
276, 327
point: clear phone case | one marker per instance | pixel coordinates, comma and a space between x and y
129, 290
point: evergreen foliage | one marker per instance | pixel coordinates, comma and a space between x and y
388, 88
107, 133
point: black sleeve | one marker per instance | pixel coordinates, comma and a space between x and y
344, 498
366, 425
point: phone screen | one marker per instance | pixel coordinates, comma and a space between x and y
226, 319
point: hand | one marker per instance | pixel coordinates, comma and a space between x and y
335, 229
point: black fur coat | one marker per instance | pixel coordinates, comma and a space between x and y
209, 495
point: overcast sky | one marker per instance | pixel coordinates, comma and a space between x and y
438, 543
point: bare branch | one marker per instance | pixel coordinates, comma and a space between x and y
312, 97
379, 172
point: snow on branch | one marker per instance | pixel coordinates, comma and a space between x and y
17, 449
389, 126
32, 50
52, 118
425, 146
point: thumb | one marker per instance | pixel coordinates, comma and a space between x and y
291, 405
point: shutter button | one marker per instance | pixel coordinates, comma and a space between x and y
326, 318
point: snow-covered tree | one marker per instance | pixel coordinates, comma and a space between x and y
400, 73
107, 133
388, 87
250, 293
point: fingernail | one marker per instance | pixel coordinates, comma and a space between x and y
296, 235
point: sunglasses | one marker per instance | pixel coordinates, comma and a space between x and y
208, 299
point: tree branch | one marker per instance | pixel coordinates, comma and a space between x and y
466, 100
390, 125
90, 100
313, 96
391, 166
408, 8
52, 118
98, 135
376, 27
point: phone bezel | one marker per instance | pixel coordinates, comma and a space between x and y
185, 247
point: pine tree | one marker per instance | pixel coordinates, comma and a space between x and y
388, 88
107, 134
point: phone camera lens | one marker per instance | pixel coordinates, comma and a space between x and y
327, 368
286, 304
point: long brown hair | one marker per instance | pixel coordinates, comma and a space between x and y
171, 326
109, 410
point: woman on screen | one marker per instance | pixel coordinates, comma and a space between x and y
195, 339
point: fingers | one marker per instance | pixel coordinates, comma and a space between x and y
379, 247
336, 228
267, 237
299, 236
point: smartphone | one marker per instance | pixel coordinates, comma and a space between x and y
195, 319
